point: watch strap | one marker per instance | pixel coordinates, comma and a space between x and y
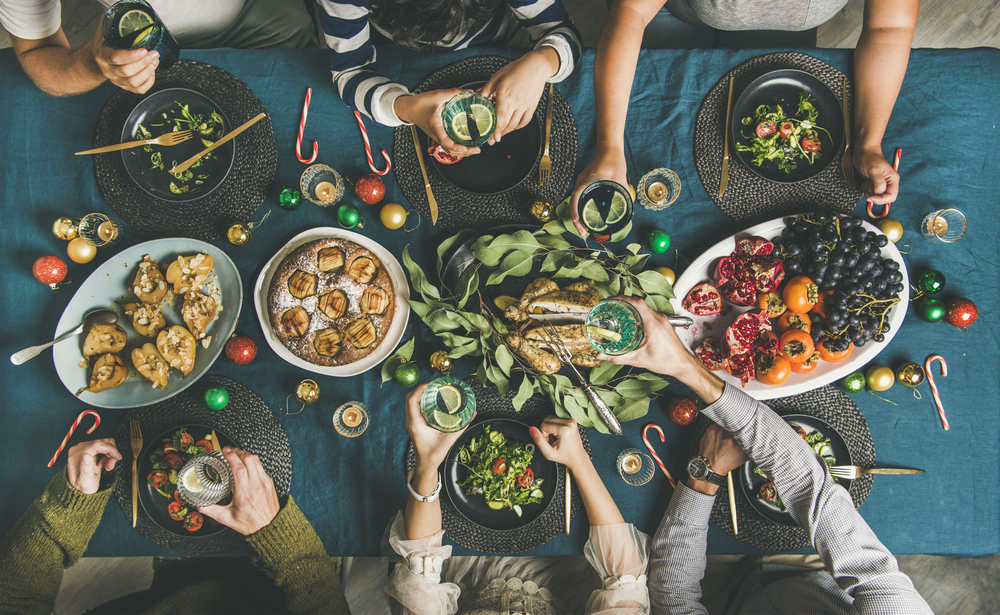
422, 498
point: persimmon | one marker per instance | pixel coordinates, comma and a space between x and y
772, 304
832, 356
800, 279
772, 370
796, 345
820, 305
791, 320
807, 366
800, 297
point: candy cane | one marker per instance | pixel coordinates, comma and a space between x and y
368, 149
895, 167
653, 453
302, 127
934, 389
97, 422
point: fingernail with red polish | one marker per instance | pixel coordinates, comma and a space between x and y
533, 431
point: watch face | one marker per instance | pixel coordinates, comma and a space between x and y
697, 468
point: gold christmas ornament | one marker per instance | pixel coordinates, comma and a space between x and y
668, 273
910, 375
879, 378
238, 234
393, 215
542, 211
307, 392
892, 229
80, 251
441, 362
66, 228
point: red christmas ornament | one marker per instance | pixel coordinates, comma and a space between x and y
683, 410
370, 189
49, 270
241, 349
961, 312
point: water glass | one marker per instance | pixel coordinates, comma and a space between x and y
605, 207
947, 225
658, 189
448, 404
322, 185
467, 114
99, 230
206, 479
614, 327
130, 24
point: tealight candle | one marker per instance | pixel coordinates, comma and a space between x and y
657, 191
324, 191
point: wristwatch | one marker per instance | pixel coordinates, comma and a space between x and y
699, 468
425, 499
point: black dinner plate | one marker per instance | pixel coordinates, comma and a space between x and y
783, 87
496, 168
153, 501
156, 182
752, 482
474, 507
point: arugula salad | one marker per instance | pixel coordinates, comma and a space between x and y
167, 459
498, 470
208, 127
818, 442
782, 138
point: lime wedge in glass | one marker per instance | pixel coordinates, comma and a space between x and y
451, 398
143, 36
460, 126
133, 21
483, 117
611, 335
447, 421
592, 218
618, 209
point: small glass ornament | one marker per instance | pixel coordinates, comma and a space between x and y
66, 228
239, 234
658, 241
322, 185
289, 199
407, 373
206, 479
892, 229
349, 216
50, 270
307, 392
658, 189
931, 282
393, 215
635, 467
852, 383
351, 419
910, 375
441, 362
99, 230
80, 251
879, 378
668, 273
217, 398
931, 309
542, 211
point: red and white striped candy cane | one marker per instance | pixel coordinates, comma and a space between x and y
934, 390
97, 422
895, 167
368, 149
302, 127
653, 453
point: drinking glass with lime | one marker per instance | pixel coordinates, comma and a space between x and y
605, 207
131, 24
448, 404
469, 119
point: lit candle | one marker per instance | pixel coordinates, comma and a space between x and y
107, 231
631, 463
352, 417
939, 226
657, 191
324, 191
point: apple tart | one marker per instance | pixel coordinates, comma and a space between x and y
331, 302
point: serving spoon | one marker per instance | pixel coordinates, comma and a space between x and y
93, 318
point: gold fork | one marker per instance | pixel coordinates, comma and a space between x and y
136, 434
545, 166
847, 162
170, 138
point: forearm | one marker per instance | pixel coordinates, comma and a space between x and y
678, 556
601, 508
614, 71
423, 519
59, 70
302, 568
52, 535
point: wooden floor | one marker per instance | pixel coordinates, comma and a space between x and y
956, 586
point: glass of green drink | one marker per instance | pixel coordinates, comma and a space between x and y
605, 207
448, 404
131, 24
469, 119
614, 327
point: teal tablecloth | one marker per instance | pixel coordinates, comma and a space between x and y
945, 120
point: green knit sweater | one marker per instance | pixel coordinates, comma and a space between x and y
54, 532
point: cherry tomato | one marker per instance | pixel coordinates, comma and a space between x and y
832, 356
768, 492
805, 367
205, 444
791, 320
174, 461
800, 431
820, 307
526, 478
499, 465
800, 297
810, 145
772, 370
796, 345
193, 521
178, 498
186, 439
766, 129
177, 511
786, 129
772, 304
168, 447
157, 478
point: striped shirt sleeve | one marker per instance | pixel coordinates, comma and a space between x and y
549, 25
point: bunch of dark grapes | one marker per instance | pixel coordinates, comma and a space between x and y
838, 254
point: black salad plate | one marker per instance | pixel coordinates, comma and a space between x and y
752, 482
783, 87
474, 507
496, 168
154, 503
138, 162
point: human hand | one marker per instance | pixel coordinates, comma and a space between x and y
559, 440
430, 445
425, 110
86, 460
133, 70
517, 88
255, 501
880, 181
721, 450
605, 165
660, 351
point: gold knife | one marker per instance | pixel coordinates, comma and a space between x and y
569, 497
229, 137
724, 180
889, 471
423, 170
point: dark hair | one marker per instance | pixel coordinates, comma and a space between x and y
420, 24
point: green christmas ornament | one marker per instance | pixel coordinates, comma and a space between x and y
217, 398
852, 383
349, 216
931, 309
931, 282
658, 241
290, 199
407, 374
